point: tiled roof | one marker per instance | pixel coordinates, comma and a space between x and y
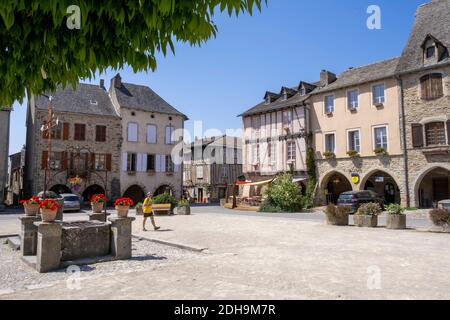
143, 98
372, 72
79, 100
431, 19
279, 104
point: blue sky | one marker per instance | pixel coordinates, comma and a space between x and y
289, 41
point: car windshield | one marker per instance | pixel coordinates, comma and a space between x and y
345, 197
446, 206
71, 198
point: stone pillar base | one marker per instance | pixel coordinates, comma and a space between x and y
98, 216
121, 237
28, 235
48, 255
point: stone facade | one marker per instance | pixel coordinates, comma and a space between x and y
4, 151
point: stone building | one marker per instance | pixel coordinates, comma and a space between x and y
151, 130
15, 178
275, 134
210, 166
85, 142
4, 151
356, 128
424, 75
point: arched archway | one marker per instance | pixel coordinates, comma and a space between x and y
91, 190
333, 184
60, 188
383, 184
432, 186
136, 193
163, 189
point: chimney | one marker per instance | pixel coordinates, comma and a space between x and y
102, 83
327, 77
116, 82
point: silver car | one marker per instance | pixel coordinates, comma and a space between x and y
444, 204
71, 202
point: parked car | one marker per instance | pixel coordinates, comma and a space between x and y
71, 202
354, 199
444, 204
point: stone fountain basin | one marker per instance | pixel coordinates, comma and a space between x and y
85, 239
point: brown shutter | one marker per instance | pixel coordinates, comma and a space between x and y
417, 135
64, 160
44, 159
425, 87
66, 128
448, 132
93, 161
436, 86
108, 162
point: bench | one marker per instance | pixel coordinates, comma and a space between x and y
162, 208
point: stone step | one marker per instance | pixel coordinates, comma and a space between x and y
14, 242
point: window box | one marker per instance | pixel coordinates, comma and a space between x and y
151, 172
379, 105
131, 173
169, 173
329, 155
353, 154
353, 109
329, 113
380, 152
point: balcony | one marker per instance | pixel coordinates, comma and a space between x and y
436, 150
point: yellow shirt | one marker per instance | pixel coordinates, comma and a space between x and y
147, 205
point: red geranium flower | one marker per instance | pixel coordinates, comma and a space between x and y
123, 202
32, 200
98, 198
49, 204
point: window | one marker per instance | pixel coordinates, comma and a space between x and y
354, 143
150, 162
435, 133
80, 132
431, 86
256, 158
93, 102
430, 52
302, 92
291, 151
287, 118
100, 133
131, 162
273, 152
329, 104
224, 172
352, 99
199, 172
330, 143
169, 163
132, 132
256, 126
378, 94
151, 133
381, 138
55, 160
235, 156
100, 162
56, 131
169, 135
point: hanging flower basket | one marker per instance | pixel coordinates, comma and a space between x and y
75, 183
98, 203
122, 206
49, 209
31, 206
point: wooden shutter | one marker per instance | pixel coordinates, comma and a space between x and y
64, 160
66, 128
417, 135
93, 161
44, 159
436, 86
425, 87
108, 162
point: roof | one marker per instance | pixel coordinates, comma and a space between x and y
79, 100
432, 19
217, 141
143, 98
369, 73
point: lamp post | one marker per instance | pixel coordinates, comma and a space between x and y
47, 128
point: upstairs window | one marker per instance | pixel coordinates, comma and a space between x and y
435, 133
170, 135
151, 133
80, 132
151, 162
378, 94
287, 118
100, 133
354, 143
381, 137
330, 143
132, 132
431, 86
329, 104
352, 99
169, 164
131, 162
302, 91
430, 52
291, 151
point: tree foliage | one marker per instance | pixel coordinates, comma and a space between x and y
39, 51
283, 195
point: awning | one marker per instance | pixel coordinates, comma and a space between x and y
299, 180
249, 183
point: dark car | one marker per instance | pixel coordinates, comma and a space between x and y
354, 199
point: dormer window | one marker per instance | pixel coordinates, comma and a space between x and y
93, 102
285, 96
302, 92
430, 52
268, 101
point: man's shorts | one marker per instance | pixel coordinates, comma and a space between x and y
147, 215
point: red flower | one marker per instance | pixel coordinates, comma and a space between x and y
123, 202
49, 204
32, 200
98, 198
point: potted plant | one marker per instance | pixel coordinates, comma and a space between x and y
380, 151
122, 206
139, 209
49, 209
395, 219
353, 153
329, 155
367, 215
337, 215
183, 207
31, 206
441, 218
98, 203
164, 203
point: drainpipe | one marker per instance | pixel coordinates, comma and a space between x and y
405, 147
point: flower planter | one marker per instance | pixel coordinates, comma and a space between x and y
31, 210
185, 211
337, 220
365, 221
48, 215
396, 221
122, 212
97, 207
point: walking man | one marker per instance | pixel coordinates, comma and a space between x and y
148, 212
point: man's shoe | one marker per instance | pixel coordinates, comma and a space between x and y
157, 228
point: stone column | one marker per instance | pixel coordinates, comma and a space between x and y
121, 237
48, 256
28, 235
98, 216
